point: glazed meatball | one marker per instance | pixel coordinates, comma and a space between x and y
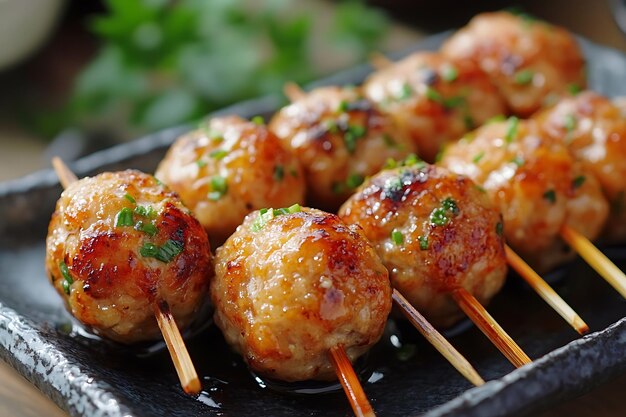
434, 99
527, 59
340, 138
228, 169
536, 184
117, 244
594, 130
291, 284
435, 231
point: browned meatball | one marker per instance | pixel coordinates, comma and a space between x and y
535, 183
527, 59
228, 169
435, 231
435, 99
594, 130
340, 138
120, 242
291, 284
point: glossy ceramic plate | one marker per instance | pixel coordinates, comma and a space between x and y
403, 375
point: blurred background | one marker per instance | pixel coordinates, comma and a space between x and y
79, 76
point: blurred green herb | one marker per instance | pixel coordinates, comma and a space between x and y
162, 63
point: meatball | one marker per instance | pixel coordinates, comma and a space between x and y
536, 184
435, 99
117, 244
435, 231
594, 130
527, 59
340, 138
291, 284
228, 169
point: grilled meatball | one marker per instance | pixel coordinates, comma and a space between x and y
435, 231
594, 130
292, 284
527, 59
435, 99
120, 242
536, 184
340, 138
228, 169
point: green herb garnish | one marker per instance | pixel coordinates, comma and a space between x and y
449, 73
130, 198
496, 119
499, 228
550, 195
67, 278
343, 106
578, 181
219, 188
440, 216
569, 123
406, 92
476, 159
524, 77
353, 133
218, 154
389, 142
434, 95
397, 237
164, 253
266, 214
354, 180
423, 240
574, 89
258, 120
279, 173
124, 217
146, 227
146, 211
511, 131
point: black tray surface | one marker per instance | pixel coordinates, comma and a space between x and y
88, 377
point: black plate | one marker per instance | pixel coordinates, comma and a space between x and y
87, 377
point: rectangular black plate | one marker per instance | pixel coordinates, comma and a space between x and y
87, 377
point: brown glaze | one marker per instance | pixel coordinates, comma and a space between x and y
594, 130
303, 283
318, 128
257, 169
434, 98
467, 250
115, 287
528, 60
536, 184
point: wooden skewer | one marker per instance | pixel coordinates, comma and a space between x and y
437, 340
293, 91
546, 292
596, 259
173, 340
350, 382
490, 327
379, 61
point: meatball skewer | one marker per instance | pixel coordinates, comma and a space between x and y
539, 285
441, 241
295, 93
171, 334
547, 196
299, 294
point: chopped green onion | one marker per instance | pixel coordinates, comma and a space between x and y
219, 188
266, 214
343, 106
389, 142
499, 228
258, 120
397, 237
569, 123
524, 77
574, 89
449, 73
331, 126
469, 122
496, 119
354, 133
354, 180
423, 240
452, 102
294, 172
124, 217
148, 228
439, 217
146, 211
67, 277
279, 173
218, 154
511, 131
201, 163
434, 95
480, 188
130, 198
164, 253
476, 159
578, 181
406, 92
550, 195
450, 205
